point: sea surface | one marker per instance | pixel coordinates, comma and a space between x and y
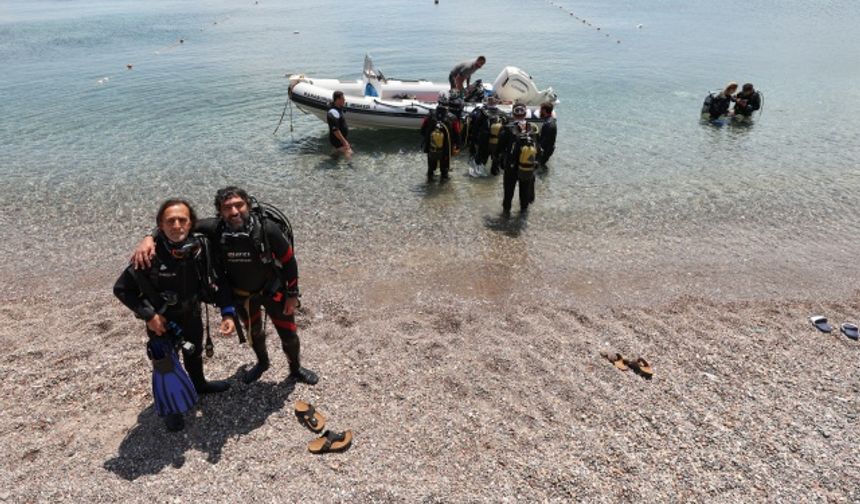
642, 202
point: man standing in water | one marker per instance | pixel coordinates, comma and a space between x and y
548, 133
260, 265
338, 130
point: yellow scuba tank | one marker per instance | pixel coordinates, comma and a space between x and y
437, 139
528, 155
495, 129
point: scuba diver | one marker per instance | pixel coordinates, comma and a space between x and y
478, 137
438, 134
548, 133
167, 295
520, 153
716, 106
255, 246
496, 121
747, 101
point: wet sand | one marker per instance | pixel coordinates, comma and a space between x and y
457, 394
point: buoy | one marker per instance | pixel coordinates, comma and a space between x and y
181, 41
639, 26
128, 66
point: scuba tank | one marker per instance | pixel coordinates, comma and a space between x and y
706, 106
527, 159
495, 129
437, 142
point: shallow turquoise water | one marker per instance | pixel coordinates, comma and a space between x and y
637, 184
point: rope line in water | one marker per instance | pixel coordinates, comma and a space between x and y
584, 21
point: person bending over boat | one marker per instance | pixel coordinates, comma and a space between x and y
167, 295
256, 251
338, 131
520, 152
718, 105
438, 133
461, 75
747, 101
548, 132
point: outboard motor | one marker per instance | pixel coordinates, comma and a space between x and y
515, 85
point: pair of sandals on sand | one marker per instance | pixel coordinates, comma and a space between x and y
329, 441
639, 365
847, 328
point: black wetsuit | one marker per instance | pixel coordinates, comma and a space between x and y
509, 146
438, 157
548, 132
752, 103
479, 135
720, 106
258, 280
336, 122
182, 283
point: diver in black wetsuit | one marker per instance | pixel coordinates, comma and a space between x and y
261, 268
548, 133
519, 153
747, 101
178, 278
719, 105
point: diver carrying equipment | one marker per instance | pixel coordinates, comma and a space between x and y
172, 389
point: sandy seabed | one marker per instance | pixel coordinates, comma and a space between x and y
450, 400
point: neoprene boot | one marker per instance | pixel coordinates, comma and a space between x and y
292, 348
262, 365
194, 366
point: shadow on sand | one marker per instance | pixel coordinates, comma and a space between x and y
149, 447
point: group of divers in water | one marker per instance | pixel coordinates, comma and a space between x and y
514, 144
718, 108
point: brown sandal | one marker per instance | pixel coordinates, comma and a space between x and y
616, 359
641, 367
309, 416
331, 442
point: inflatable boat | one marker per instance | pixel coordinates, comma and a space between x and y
377, 102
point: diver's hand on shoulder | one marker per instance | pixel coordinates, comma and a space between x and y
141, 258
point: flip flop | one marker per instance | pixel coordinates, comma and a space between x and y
641, 367
309, 416
616, 359
331, 442
851, 331
821, 323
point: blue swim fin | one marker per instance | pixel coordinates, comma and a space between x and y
171, 387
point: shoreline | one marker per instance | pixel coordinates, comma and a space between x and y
451, 400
